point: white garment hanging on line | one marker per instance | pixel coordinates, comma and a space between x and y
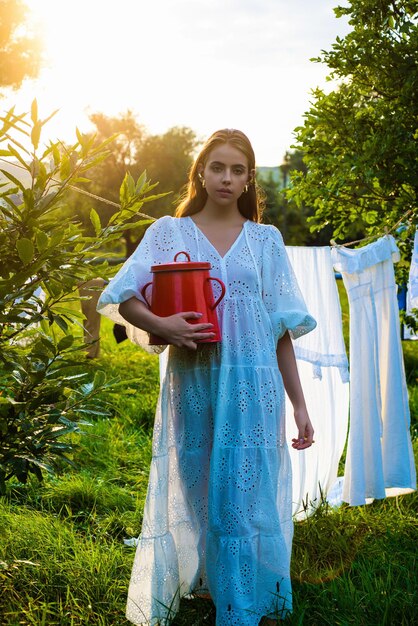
413, 274
380, 460
323, 370
412, 290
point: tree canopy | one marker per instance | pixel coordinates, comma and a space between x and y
166, 158
283, 212
20, 48
360, 139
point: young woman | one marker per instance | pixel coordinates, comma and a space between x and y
218, 515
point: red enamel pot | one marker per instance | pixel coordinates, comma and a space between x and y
184, 286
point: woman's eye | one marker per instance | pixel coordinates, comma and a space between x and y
238, 172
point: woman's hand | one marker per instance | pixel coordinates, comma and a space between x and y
175, 329
178, 331
305, 430
288, 368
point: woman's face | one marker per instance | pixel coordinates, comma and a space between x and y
226, 173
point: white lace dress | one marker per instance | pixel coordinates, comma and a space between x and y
218, 514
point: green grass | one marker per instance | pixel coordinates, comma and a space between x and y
359, 566
63, 561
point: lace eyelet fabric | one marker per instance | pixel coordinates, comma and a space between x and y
218, 512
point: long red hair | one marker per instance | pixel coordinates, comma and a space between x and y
250, 204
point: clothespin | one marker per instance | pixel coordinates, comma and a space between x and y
333, 243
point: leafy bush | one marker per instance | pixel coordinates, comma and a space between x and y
44, 258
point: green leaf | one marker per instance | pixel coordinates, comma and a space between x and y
21, 146
29, 199
124, 190
42, 240
80, 137
156, 196
34, 111
93, 162
65, 343
49, 117
36, 134
45, 326
14, 180
141, 181
34, 168
35, 461
95, 220
41, 178
33, 469
53, 287
60, 321
17, 156
56, 155
99, 378
49, 345
25, 250
65, 169
131, 185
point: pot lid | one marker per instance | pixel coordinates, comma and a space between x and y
181, 266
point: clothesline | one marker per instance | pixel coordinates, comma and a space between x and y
115, 204
86, 193
387, 230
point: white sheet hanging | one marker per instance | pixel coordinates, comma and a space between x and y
412, 291
323, 369
379, 456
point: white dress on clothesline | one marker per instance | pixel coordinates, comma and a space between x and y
379, 460
412, 290
218, 513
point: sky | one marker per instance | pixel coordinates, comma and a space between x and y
204, 64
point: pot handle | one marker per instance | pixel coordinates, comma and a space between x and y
143, 290
217, 280
182, 252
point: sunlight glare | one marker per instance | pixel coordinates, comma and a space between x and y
97, 59
204, 65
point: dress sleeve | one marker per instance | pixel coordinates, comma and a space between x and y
281, 293
156, 247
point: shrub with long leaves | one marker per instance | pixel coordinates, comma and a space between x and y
46, 389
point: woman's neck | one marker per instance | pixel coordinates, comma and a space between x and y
220, 214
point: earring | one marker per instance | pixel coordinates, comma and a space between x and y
246, 188
202, 180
